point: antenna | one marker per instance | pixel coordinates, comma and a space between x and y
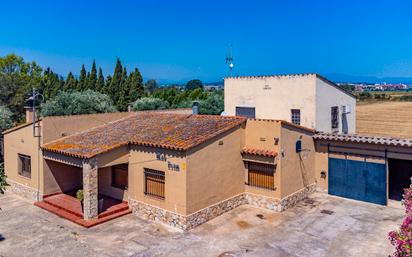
229, 60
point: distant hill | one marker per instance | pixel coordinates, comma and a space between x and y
336, 77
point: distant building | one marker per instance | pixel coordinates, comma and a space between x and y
309, 100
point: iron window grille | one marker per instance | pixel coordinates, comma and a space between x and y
261, 175
24, 165
295, 113
335, 117
154, 183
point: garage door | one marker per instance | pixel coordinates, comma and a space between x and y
358, 180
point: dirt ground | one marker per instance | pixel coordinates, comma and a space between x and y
385, 119
319, 226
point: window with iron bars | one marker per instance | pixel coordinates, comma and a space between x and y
261, 175
154, 183
335, 117
295, 113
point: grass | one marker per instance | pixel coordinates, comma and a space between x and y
385, 118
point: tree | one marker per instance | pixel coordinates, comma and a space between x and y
3, 183
92, 78
135, 82
194, 84
70, 83
214, 104
100, 82
17, 78
73, 103
122, 94
50, 84
114, 89
151, 86
82, 84
149, 103
6, 121
402, 239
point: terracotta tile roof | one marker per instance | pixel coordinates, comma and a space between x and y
261, 152
356, 138
164, 130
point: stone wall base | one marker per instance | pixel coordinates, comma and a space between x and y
24, 191
186, 222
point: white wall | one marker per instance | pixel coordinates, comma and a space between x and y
273, 96
328, 96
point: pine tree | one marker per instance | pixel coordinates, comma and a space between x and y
100, 87
135, 82
81, 85
92, 77
50, 84
70, 84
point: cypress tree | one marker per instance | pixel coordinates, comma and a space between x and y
71, 83
116, 81
122, 93
92, 77
81, 85
135, 82
100, 86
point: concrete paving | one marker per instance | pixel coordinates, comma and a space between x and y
321, 225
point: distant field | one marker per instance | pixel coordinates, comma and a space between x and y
385, 118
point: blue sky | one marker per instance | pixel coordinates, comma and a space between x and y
178, 40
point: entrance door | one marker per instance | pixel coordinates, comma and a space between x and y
400, 173
359, 180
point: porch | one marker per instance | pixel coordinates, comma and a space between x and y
102, 186
67, 206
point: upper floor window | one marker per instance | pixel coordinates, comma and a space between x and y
295, 116
24, 165
335, 117
248, 112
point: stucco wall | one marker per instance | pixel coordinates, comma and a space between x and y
59, 126
22, 142
273, 96
215, 171
175, 185
59, 177
296, 169
105, 185
326, 97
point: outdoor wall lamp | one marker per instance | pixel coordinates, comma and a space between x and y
323, 174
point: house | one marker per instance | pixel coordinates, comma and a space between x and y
180, 169
309, 100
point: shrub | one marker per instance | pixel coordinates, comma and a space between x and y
3, 183
5, 118
214, 105
150, 103
80, 195
72, 103
402, 239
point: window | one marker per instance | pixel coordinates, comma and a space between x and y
261, 175
154, 183
295, 116
335, 117
24, 166
248, 112
120, 176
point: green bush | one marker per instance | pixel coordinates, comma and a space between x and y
150, 103
80, 195
5, 118
214, 104
72, 103
3, 183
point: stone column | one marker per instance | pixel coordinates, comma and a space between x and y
90, 191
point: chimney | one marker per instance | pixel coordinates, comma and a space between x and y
195, 107
29, 114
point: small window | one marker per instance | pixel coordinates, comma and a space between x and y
154, 181
295, 116
120, 176
248, 112
335, 117
261, 175
24, 165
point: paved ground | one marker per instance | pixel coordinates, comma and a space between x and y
353, 229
